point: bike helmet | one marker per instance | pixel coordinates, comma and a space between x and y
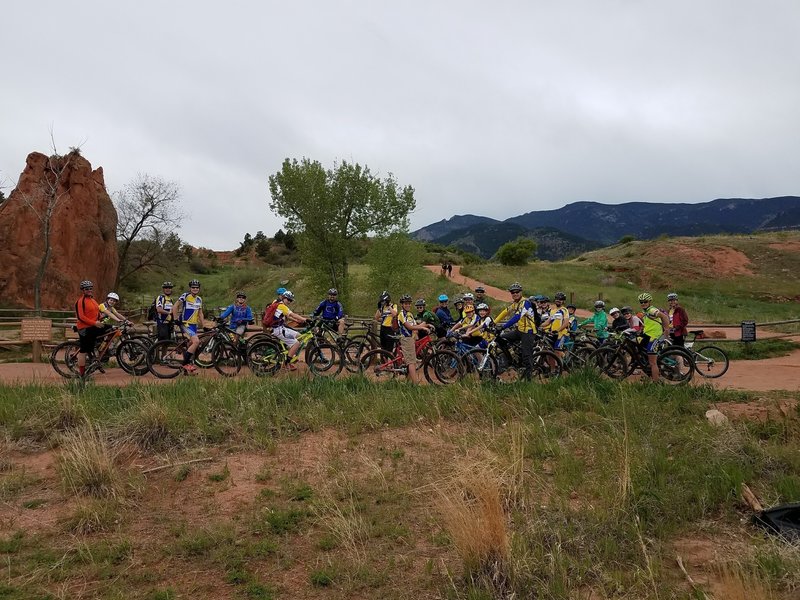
482, 306
544, 298
384, 296
645, 297
420, 302
480, 290
288, 295
167, 284
241, 294
194, 283
443, 298
405, 298
599, 304
572, 306
87, 285
113, 296
613, 311
458, 300
560, 296
468, 296
672, 296
515, 287
280, 291
627, 310
333, 292
468, 308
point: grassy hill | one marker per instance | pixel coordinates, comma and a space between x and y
722, 279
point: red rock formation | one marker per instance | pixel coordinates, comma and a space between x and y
82, 233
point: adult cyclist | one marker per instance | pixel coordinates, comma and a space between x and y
599, 321
678, 320
188, 312
89, 325
521, 327
332, 312
557, 324
240, 313
656, 325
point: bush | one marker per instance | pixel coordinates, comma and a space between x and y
516, 253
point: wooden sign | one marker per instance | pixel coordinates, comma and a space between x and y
36, 330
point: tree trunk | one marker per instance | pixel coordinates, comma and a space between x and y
37, 283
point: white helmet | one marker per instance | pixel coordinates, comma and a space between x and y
613, 310
113, 296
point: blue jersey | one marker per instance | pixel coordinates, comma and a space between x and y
240, 315
331, 311
444, 315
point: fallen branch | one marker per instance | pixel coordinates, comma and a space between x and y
692, 582
750, 498
179, 464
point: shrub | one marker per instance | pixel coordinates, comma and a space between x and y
516, 253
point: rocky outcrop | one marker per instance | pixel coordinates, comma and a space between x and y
83, 227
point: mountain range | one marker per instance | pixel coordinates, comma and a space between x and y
582, 226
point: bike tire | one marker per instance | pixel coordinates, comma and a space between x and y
442, 366
165, 358
380, 365
479, 364
324, 359
132, 356
227, 360
546, 365
710, 361
64, 359
611, 362
265, 357
204, 356
352, 353
675, 366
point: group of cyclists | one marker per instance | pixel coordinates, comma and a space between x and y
467, 316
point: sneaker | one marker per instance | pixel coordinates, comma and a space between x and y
290, 367
189, 369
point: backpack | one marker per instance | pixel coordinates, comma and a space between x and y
268, 319
152, 313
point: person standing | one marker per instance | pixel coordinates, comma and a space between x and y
163, 306
678, 320
408, 332
87, 312
480, 295
386, 315
656, 326
424, 315
599, 320
188, 312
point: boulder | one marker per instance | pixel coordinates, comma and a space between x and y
83, 237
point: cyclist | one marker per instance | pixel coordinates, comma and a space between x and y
240, 313
458, 309
408, 329
557, 324
285, 333
482, 328
480, 295
656, 326
633, 321
386, 315
469, 319
599, 320
89, 325
108, 308
618, 322
469, 301
426, 316
573, 319
444, 316
521, 312
188, 312
678, 320
543, 308
332, 312
164, 312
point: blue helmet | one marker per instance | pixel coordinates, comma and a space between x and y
443, 298
280, 291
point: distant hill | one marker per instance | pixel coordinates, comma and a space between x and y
581, 226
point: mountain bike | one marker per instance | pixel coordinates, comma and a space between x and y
622, 355
165, 359
130, 353
322, 358
503, 362
709, 361
439, 365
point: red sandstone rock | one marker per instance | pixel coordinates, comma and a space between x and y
82, 234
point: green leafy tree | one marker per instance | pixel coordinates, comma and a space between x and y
517, 252
261, 245
394, 263
244, 245
331, 210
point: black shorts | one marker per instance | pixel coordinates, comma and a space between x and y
164, 331
87, 338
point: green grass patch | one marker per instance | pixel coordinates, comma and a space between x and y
758, 350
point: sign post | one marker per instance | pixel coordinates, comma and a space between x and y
36, 331
748, 331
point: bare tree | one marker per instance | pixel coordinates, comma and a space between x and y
148, 215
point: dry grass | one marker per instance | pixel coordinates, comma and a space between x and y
89, 465
736, 583
336, 510
149, 426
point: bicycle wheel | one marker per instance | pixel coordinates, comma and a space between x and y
380, 365
165, 358
710, 361
324, 359
227, 360
132, 356
352, 353
479, 364
265, 357
442, 366
64, 359
204, 356
546, 365
256, 338
611, 362
675, 365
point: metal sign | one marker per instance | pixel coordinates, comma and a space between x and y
748, 331
36, 330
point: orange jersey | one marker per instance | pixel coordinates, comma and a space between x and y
87, 311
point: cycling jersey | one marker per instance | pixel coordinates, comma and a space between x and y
560, 317
484, 325
386, 315
600, 321
428, 317
163, 301
653, 328
103, 308
190, 305
240, 315
88, 312
507, 312
330, 310
444, 315
406, 319
523, 318
280, 315
573, 323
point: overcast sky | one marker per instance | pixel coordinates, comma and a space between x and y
492, 108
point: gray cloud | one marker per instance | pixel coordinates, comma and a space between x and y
493, 109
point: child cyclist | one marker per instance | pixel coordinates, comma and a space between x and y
482, 328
